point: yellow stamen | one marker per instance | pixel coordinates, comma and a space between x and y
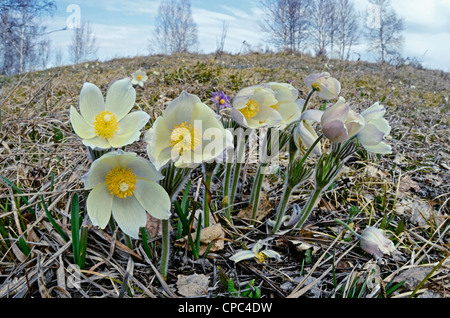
185, 137
261, 257
315, 86
222, 101
139, 77
251, 109
121, 182
106, 124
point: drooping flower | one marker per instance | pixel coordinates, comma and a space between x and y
139, 78
374, 241
107, 123
255, 252
339, 122
188, 132
125, 187
266, 105
220, 99
305, 136
376, 128
327, 87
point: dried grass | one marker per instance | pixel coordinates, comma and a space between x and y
319, 261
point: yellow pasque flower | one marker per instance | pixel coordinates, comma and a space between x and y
188, 132
107, 123
125, 186
139, 78
266, 105
256, 253
327, 87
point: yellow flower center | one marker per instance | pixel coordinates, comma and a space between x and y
222, 101
139, 77
315, 86
261, 257
251, 109
121, 182
106, 124
185, 137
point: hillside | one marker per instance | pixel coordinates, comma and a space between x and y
407, 191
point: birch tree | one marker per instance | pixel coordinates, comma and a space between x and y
176, 31
384, 30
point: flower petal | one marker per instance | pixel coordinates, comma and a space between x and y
313, 114
370, 136
180, 109
289, 112
129, 129
335, 131
381, 148
129, 215
120, 98
99, 205
91, 102
81, 127
158, 138
97, 143
153, 198
144, 169
242, 255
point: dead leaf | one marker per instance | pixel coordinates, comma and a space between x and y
213, 233
419, 211
153, 226
375, 172
264, 208
406, 184
193, 285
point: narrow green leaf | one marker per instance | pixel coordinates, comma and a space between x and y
53, 222
75, 222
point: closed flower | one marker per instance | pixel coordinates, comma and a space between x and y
327, 87
374, 241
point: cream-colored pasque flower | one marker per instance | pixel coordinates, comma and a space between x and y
375, 129
255, 253
266, 105
304, 137
374, 241
139, 78
339, 122
125, 186
105, 124
327, 87
188, 132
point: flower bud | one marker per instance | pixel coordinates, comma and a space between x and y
374, 241
327, 87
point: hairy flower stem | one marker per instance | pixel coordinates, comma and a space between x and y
256, 191
226, 191
164, 266
307, 100
309, 206
240, 146
207, 195
282, 207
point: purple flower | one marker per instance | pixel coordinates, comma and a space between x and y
221, 99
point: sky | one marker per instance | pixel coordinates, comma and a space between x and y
123, 28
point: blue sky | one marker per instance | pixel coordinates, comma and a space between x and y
123, 27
